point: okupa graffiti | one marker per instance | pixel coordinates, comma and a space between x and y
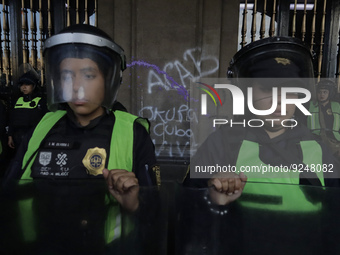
157, 79
171, 129
182, 114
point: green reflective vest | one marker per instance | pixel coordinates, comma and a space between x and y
122, 138
313, 121
22, 104
267, 191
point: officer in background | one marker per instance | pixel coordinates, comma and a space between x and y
83, 139
325, 119
28, 109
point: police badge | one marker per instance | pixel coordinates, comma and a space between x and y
94, 160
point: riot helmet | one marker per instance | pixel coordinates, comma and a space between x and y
273, 57
329, 85
28, 76
276, 60
31, 79
82, 42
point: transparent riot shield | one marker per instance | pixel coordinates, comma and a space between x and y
259, 223
75, 217
79, 217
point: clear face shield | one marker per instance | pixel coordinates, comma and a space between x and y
81, 74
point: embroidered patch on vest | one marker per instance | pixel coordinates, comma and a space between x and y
94, 160
45, 158
61, 159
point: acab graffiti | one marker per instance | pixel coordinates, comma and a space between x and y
179, 67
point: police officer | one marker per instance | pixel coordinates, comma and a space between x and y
272, 62
269, 196
83, 139
325, 119
28, 109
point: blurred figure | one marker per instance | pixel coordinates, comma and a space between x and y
28, 109
325, 119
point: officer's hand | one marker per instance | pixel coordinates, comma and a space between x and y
226, 188
123, 186
11, 142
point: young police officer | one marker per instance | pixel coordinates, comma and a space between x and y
83, 139
281, 142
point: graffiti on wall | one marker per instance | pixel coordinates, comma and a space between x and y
170, 119
170, 128
179, 67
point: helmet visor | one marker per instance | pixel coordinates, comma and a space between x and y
81, 74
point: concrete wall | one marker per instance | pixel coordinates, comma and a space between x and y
170, 38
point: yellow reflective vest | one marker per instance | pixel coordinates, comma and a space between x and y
313, 121
266, 190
